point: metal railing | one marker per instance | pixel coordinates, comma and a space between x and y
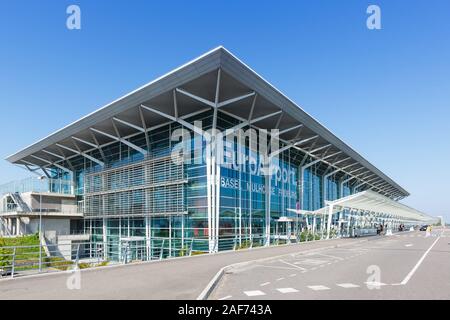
25, 260
32, 184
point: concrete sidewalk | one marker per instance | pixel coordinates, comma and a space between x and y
182, 278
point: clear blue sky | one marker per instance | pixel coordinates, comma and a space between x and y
386, 92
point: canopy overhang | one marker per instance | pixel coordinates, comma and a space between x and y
372, 203
219, 81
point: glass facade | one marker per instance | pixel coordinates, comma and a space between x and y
160, 205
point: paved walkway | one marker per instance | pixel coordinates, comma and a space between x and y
183, 278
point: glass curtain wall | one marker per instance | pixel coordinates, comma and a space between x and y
140, 207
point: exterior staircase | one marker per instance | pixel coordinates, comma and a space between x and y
21, 205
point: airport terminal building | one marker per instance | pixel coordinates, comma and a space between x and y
175, 168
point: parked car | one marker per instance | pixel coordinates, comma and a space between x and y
423, 228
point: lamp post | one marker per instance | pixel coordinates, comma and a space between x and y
40, 226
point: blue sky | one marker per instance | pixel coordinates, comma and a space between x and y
385, 92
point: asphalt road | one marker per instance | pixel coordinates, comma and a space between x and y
403, 266
332, 269
183, 278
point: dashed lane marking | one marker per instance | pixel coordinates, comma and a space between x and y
287, 290
279, 279
225, 298
254, 293
408, 245
264, 284
318, 288
375, 284
347, 285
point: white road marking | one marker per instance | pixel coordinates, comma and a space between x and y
292, 265
254, 293
287, 290
375, 284
312, 261
292, 275
279, 279
275, 267
329, 256
408, 245
347, 285
411, 273
318, 288
264, 284
225, 298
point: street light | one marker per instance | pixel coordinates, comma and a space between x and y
40, 226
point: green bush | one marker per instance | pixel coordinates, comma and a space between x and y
308, 236
57, 263
244, 245
24, 256
197, 253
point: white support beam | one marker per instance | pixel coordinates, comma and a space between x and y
54, 154
252, 108
331, 155
101, 163
175, 103
30, 164
85, 142
360, 174
247, 123
99, 148
233, 100
144, 125
371, 180
51, 163
128, 124
356, 170
193, 96
320, 148
179, 120
124, 141
291, 145
287, 130
330, 215
340, 161
349, 166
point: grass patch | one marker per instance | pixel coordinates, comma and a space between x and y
24, 256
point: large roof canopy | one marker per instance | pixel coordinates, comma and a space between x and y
369, 201
191, 88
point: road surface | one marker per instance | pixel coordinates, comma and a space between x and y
332, 269
183, 278
407, 265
